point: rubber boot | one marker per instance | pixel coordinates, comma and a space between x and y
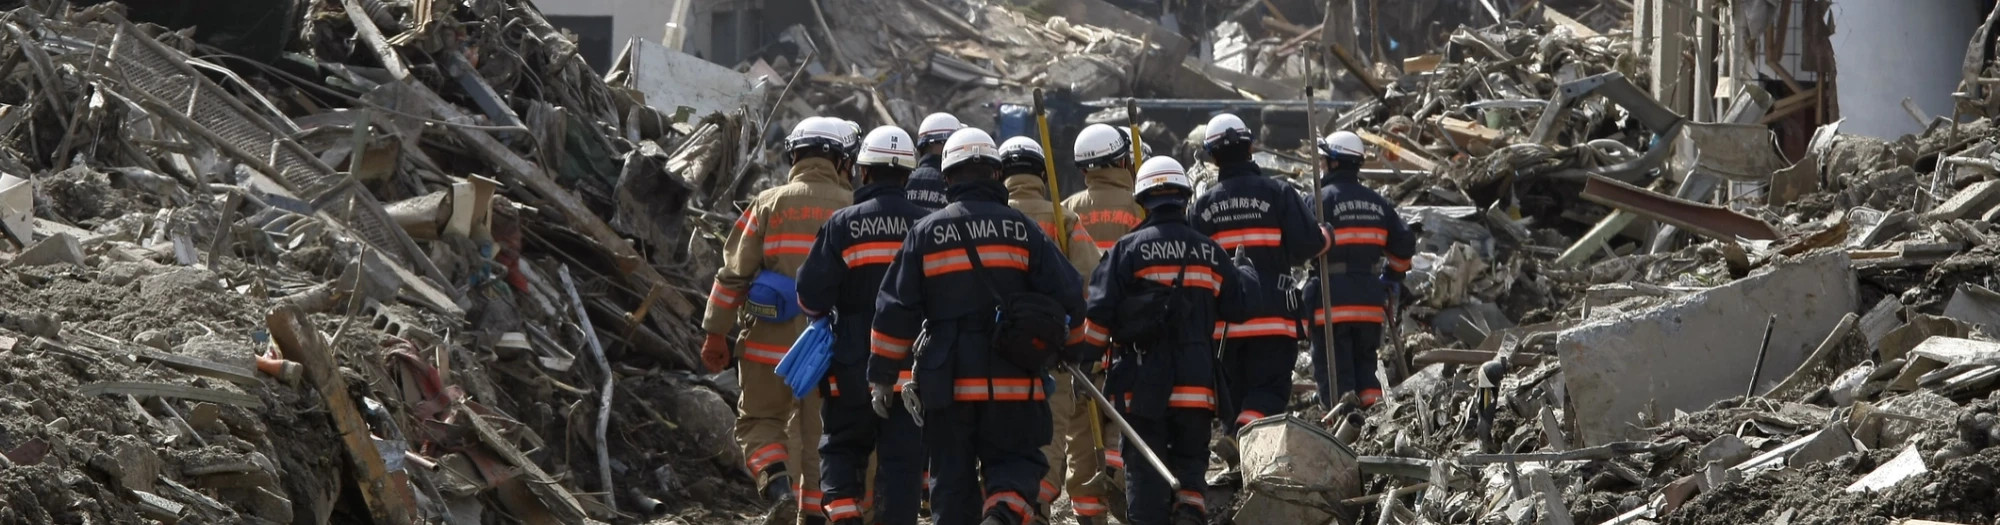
1188, 516
784, 502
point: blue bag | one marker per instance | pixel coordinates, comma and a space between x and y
805, 364
773, 297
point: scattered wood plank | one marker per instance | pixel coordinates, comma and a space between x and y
1455, 356
545, 487
201, 367
1473, 137
109, 388
300, 342
1606, 451
1407, 156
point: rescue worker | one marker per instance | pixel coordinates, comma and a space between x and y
1199, 169
1072, 453
985, 414
927, 186
1371, 251
841, 277
1163, 379
1274, 226
1107, 210
760, 260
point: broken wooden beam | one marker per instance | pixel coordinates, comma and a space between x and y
107, 388
301, 342
1404, 155
1709, 221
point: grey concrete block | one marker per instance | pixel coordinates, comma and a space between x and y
1700, 348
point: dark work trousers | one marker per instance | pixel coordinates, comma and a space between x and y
852, 432
1181, 440
998, 441
1257, 379
1354, 346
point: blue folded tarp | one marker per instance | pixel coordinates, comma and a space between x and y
805, 364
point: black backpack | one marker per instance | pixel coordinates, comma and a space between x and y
1146, 317
1030, 328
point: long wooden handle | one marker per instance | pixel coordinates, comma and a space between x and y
1049, 172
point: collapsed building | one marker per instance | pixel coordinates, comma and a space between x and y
391, 262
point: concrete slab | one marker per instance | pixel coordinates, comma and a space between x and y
1975, 305
671, 79
57, 249
1693, 350
1909, 462
1975, 198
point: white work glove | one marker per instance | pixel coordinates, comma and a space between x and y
880, 395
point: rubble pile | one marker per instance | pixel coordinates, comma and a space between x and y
1692, 328
379, 272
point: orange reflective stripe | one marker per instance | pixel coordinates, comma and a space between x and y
788, 244
1012, 501
1047, 494
1075, 335
1398, 264
1094, 334
747, 222
1232, 239
1114, 459
810, 500
843, 509
954, 260
1192, 397
832, 387
1088, 506
1191, 498
1351, 314
1360, 235
1103, 246
722, 296
1196, 277
765, 353
998, 389
889, 346
1258, 327
868, 253
765, 457
1247, 416
902, 378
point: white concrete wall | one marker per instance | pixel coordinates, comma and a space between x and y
643, 18
1890, 49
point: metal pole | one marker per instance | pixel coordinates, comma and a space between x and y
1126, 429
1325, 294
1762, 349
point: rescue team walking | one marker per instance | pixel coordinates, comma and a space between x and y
928, 327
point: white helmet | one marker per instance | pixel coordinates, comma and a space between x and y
829, 134
969, 145
853, 138
1341, 143
936, 128
1158, 175
1021, 154
1224, 130
1100, 145
887, 146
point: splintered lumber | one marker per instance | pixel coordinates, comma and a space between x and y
108, 388
302, 343
559, 501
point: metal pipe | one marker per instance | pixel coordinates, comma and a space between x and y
1123, 427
